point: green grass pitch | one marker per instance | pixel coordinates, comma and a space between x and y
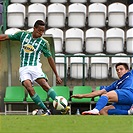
65, 124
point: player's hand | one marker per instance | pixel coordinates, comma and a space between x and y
77, 96
58, 80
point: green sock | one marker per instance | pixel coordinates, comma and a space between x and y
39, 102
52, 93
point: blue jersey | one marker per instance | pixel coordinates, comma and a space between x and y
125, 82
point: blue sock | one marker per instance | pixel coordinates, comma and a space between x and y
39, 102
117, 112
52, 93
101, 102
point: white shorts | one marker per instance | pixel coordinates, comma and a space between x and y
32, 73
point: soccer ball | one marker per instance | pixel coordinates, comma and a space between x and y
60, 103
38, 112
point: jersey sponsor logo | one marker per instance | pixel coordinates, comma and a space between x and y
28, 48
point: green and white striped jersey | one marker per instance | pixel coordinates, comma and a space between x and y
31, 48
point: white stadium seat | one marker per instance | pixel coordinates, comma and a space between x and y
74, 40
16, 15
38, 1
99, 66
97, 13
78, 1
36, 11
117, 13
130, 15
76, 15
94, 40
115, 39
58, 1
98, 1
18, 1
56, 15
58, 37
129, 40
76, 66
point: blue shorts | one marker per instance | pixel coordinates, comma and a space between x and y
125, 99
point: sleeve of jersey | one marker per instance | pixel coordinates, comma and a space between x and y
15, 36
46, 50
111, 87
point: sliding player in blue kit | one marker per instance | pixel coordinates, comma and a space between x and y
32, 46
119, 92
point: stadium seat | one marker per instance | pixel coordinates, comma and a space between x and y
16, 11
56, 15
79, 66
11, 31
61, 91
78, 1
36, 11
98, 1
96, 12
1, 11
99, 67
18, 1
115, 60
94, 40
115, 39
74, 10
58, 37
38, 1
97, 97
61, 65
14, 95
41, 93
117, 14
130, 15
58, 1
81, 90
129, 41
74, 40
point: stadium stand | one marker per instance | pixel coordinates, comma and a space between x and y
38, 1
61, 64
129, 40
115, 39
18, 1
42, 94
130, 15
36, 11
58, 36
96, 12
98, 1
94, 41
78, 66
78, 1
14, 95
81, 90
16, 11
74, 10
117, 14
56, 15
74, 40
99, 67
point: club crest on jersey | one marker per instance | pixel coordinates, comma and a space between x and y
28, 48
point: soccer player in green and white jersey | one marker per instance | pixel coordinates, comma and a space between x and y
32, 45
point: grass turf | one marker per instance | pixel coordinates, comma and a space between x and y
65, 124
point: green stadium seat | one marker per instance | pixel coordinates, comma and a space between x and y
62, 91
81, 90
14, 95
97, 97
42, 94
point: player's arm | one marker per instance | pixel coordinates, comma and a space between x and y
53, 66
90, 95
4, 37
